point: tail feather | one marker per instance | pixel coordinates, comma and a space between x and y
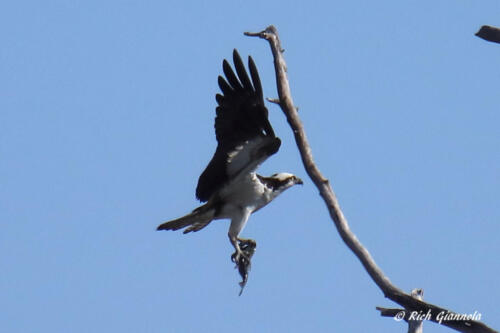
196, 220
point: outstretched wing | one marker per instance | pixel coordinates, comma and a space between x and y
244, 135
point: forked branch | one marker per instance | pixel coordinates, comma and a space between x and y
390, 291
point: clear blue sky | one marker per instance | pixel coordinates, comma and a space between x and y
106, 122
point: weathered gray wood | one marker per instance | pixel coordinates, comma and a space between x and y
390, 291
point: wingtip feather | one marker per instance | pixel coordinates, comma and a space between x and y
242, 73
224, 86
255, 78
230, 76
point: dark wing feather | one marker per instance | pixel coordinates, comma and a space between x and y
255, 78
242, 73
228, 72
242, 128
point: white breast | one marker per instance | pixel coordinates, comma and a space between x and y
247, 192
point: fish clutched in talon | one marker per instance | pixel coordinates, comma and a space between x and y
243, 259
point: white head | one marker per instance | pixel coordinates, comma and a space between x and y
283, 181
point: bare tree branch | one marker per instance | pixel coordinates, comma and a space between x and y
391, 312
489, 33
390, 291
414, 319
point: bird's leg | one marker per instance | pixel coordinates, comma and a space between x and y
237, 224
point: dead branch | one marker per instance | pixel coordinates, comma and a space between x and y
390, 291
414, 319
489, 33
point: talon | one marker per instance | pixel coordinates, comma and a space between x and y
238, 256
246, 244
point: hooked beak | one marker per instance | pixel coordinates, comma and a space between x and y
299, 181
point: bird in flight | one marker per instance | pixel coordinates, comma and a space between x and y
230, 186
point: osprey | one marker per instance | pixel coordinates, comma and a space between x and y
229, 185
